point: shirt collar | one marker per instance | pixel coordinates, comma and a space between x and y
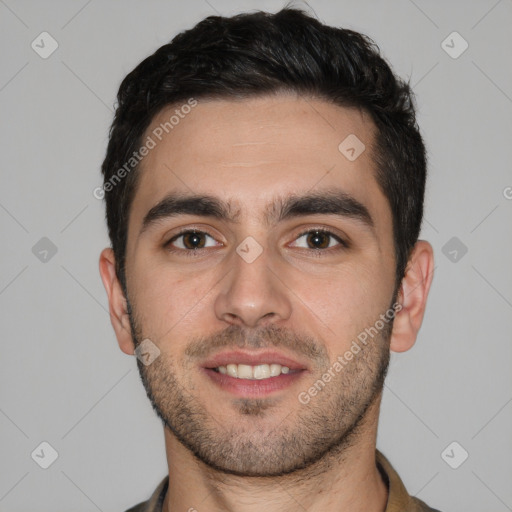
398, 497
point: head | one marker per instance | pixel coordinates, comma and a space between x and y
264, 184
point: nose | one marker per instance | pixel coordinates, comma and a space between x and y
252, 295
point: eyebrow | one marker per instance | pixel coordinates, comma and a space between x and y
333, 202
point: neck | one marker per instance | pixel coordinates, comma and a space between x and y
344, 479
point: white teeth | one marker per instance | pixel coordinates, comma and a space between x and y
262, 371
232, 370
275, 370
245, 371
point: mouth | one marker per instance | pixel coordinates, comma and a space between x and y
245, 371
253, 375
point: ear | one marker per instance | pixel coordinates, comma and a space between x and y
117, 301
413, 297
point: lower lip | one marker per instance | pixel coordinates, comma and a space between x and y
253, 388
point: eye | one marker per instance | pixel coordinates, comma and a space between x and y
191, 240
315, 239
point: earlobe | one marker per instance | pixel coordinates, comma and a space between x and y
117, 301
413, 297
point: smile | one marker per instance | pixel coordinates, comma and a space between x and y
245, 371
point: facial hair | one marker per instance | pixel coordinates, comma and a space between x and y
318, 431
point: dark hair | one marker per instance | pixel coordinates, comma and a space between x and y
256, 54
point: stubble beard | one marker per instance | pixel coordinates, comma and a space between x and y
310, 438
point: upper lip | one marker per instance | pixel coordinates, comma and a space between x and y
253, 359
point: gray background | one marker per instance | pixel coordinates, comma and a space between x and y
64, 380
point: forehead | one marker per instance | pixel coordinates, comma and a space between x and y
248, 152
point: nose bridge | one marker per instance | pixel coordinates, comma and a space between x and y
251, 294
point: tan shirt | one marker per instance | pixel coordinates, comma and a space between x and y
398, 498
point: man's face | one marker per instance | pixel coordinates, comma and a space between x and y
285, 296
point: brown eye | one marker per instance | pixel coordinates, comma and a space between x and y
190, 241
193, 240
316, 239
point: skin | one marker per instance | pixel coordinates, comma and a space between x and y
227, 453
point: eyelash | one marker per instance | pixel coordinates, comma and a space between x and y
196, 252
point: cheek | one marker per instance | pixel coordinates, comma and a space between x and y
160, 297
168, 302
343, 304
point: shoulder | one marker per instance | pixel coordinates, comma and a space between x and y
141, 507
421, 506
399, 499
155, 502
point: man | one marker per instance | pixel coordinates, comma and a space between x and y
264, 185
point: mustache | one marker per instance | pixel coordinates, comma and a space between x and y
236, 336
271, 336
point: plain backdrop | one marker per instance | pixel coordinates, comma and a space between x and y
63, 379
